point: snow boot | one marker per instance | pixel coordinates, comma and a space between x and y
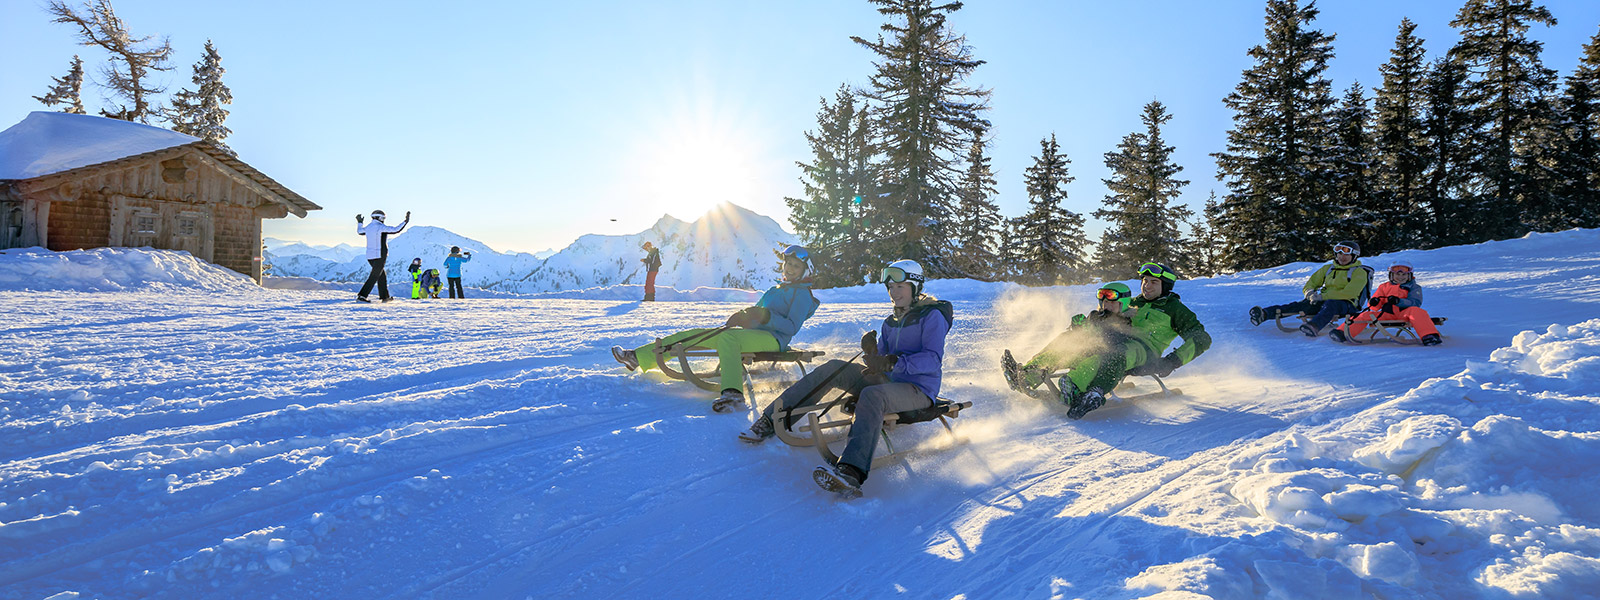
1432, 339
1024, 380
1257, 316
386, 299
363, 299
1338, 335
759, 431
730, 400
1069, 391
626, 357
1308, 330
1012, 371
1090, 400
843, 479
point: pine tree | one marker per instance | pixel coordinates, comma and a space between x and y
1579, 162
67, 90
1448, 132
926, 116
975, 226
1277, 209
1204, 256
1509, 83
1359, 217
200, 113
1050, 238
1399, 144
1142, 209
833, 219
99, 26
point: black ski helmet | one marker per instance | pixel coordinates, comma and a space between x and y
1167, 276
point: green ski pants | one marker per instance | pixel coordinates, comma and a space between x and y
730, 346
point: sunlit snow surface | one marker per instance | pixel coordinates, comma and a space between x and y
168, 432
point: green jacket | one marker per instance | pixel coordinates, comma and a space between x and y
1339, 282
1157, 322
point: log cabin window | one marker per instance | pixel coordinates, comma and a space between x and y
144, 224
188, 226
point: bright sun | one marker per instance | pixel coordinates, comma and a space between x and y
696, 163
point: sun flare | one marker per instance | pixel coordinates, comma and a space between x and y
696, 163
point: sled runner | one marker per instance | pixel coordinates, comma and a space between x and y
685, 371
1295, 328
1126, 385
1398, 331
814, 427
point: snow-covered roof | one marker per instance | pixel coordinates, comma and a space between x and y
47, 143
52, 142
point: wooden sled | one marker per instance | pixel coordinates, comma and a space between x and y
817, 431
1398, 331
685, 371
1295, 328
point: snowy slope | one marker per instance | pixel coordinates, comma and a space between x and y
189, 444
728, 247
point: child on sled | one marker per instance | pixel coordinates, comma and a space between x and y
1398, 300
766, 327
1088, 335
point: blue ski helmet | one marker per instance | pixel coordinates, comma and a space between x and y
798, 252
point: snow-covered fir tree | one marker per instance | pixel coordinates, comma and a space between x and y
1448, 131
67, 90
926, 116
1399, 143
1049, 238
975, 226
834, 217
199, 112
1579, 162
1204, 255
1277, 209
1142, 211
1358, 215
132, 59
1508, 84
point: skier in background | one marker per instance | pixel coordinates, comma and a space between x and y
377, 252
452, 270
416, 278
652, 264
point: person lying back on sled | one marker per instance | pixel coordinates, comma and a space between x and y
1332, 292
1400, 299
766, 327
903, 371
1159, 317
1088, 335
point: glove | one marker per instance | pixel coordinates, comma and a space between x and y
408, 215
359, 218
1079, 320
741, 318
869, 343
1314, 295
1165, 365
877, 363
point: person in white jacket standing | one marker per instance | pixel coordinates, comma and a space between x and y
377, 233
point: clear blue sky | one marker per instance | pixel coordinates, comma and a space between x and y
527, 124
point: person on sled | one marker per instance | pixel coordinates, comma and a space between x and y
902, 372
766, 327
1088, 336
1332, 292
1159, 317
1400, 299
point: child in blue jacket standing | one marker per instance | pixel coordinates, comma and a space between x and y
904, 365
766, 327
452, 270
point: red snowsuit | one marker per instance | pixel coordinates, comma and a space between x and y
1396, 302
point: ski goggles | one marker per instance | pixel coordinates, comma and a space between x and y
1109, 294
1156, 270
1343, 249
796, 252
1406, 270
897, 275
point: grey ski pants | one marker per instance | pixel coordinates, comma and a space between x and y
876, 397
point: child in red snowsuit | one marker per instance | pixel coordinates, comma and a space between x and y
1399, 299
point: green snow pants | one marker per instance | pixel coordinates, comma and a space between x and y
1105, 369
730, 346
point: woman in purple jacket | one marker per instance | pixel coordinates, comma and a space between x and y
902, 373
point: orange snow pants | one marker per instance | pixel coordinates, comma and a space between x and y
1417, 317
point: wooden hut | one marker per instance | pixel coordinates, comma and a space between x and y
71, 182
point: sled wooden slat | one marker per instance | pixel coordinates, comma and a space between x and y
1398, 331
814, 424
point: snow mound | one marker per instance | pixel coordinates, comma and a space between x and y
50, 142
115, 270
1485, 475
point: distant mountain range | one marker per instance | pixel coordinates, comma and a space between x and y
730, 246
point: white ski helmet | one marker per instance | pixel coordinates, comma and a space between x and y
377, 215
1403, 264
904, 270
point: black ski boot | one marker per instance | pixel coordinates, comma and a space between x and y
1432, 339
759, 431
1090, 400
730, 400
1339, 335
843, 479
1257, 316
